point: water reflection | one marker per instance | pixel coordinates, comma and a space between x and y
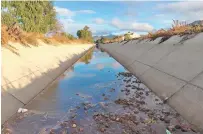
88, 77
87, 57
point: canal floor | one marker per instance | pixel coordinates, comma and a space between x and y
97, 95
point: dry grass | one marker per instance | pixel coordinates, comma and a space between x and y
27, 39
16, 35
30, 39
61, 39
178, 28
4, 35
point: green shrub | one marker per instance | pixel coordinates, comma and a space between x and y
31, 16
127, 37
85, 34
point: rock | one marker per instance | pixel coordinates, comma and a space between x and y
64, 124
106, 125
102, 104
81, 129
127, 94
74, 125
112, 90
72, 110
184, 129
177, 126
165, 100
171, 128
147, 93
117, 119
177, 114
158, 129
166, 120
140, 102
74, 115
187, 133
166, 112
64, 131
52, 131
161, 118
136, 112
194, 130
125, 74
128, 85
78, 107
102, 129
122, 102
141, 93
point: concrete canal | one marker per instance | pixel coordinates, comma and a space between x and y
97, 95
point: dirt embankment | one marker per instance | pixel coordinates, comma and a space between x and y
14, 34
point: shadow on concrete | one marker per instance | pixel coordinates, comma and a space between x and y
37, 83
187, 37
163, 39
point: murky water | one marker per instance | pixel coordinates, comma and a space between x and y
96, 95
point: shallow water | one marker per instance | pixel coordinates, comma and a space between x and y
88, 88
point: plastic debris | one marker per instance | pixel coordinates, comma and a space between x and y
74, 125
168, 132
22, 110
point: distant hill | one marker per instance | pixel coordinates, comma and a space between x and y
197, 22
96, 37
99, 37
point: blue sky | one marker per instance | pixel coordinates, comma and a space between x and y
118, 17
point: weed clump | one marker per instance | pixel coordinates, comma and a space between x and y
178, 28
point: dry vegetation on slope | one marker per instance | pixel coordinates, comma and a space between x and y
15, 34
178, 28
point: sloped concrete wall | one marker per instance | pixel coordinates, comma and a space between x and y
27, 74
172, 69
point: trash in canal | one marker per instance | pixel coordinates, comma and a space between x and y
22, 110
167, 131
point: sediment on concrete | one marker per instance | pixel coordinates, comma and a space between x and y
172, 69
25, 75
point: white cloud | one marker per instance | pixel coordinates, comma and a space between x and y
86, 11
72, 27
183, 6
133, 26
159, 15
184, 10
64, 12
98, 21
66, 21
66, 18
135, 34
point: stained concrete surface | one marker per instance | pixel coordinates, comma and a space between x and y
165, 68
